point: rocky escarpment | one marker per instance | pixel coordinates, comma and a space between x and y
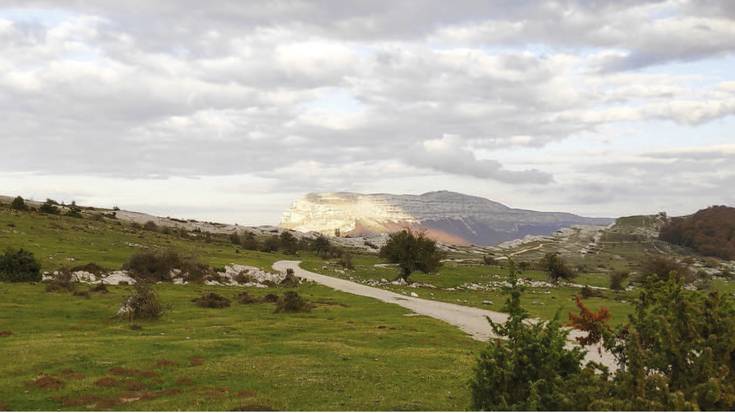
446, 216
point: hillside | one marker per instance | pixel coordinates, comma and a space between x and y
710, 232
446, 216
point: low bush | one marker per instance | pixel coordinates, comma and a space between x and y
19, 266
617, 279
89, 267
143, 304
292, 302
83, 294
489, 260
270, 298
588, 292
19, 204
150, 226
290, 280
211, 300
557, 267
245, 298
61, 281
157, 266
345, 260
99, 288
49, 207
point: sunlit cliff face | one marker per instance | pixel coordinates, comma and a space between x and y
443, 215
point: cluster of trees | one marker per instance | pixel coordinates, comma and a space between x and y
676, 352
710, 232
48, 207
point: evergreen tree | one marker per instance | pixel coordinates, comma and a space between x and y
528, 366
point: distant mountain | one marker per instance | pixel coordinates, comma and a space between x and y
445, 216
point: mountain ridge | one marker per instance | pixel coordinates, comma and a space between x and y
444, 215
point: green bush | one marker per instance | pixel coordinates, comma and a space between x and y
211, 300
157, 266
49, 207
19, 266
288, 243
292, 302
143, 304
19, 204
557, 267
617, 279
529, 367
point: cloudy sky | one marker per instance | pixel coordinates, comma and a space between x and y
229, 110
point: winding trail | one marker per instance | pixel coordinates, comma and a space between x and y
471, 320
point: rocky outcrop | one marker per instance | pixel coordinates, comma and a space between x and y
449, 217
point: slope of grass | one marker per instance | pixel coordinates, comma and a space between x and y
540, 302
349, 353
59, 241
63, 352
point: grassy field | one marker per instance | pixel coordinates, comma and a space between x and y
540, 302
59, 241
349, 353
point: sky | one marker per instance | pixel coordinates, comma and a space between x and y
230, 110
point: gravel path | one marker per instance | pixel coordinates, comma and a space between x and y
469, 319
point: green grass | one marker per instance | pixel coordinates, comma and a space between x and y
59, 241
543, 303
349, 353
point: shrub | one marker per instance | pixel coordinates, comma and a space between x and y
271, 244
61, 281
248, 241
235, 238
19, 204
529, 367
288, 243
321, 246
345, 260
19, 266
245, 298
617, 279
83, 294
292, 302
99, 288
89, 267
157, 266
211, 300
290, 280
412, 253
270, 298
49, 207
150, 226
74, 212
589, 292
143, 304
557, 268
660, 267
489, 260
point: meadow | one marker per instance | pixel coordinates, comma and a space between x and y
67, 352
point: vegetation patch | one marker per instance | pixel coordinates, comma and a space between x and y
47, 382
212, 300
292, 302
245, 298
19, 266
143, 304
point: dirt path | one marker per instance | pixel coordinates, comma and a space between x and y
469, 319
